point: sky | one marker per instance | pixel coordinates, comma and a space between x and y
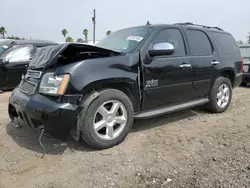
44, 19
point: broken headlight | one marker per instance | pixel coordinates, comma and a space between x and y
54, 84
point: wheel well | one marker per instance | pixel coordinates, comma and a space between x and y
230, 75
121, 87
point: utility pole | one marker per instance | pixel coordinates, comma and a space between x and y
148, 23
93, 20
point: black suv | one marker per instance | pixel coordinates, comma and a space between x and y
95, 92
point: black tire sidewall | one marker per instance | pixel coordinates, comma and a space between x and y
88, 133
213, 106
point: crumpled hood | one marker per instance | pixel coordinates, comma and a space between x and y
48, 56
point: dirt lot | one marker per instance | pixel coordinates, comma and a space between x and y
192, 148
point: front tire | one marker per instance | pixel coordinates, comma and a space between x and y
220, 95
108, 119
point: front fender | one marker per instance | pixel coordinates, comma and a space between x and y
118, 72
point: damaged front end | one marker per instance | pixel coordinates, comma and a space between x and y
47, 100
67, 53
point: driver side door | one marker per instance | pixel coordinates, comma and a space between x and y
168, 79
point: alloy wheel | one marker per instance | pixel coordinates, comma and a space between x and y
110, 120
223, 95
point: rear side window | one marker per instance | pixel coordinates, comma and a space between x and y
226, 43
199, 43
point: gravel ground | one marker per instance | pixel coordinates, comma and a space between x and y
192, 148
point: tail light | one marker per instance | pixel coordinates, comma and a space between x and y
241, 64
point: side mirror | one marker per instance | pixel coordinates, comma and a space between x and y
161, 49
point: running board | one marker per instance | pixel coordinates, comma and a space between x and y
169, 109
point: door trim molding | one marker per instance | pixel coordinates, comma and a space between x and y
172, 85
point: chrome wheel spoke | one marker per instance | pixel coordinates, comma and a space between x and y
120, 119
219, 95
220, 89
103, 111
227, 98
99, 125
110, 131
219, 102
115, 108
226, 90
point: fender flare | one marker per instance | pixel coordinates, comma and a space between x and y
75, 133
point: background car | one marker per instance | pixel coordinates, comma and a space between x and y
5, 44
245, 53
246, 74
15, 58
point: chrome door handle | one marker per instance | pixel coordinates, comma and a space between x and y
185, 65
215, 62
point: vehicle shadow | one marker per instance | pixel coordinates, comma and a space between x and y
247, 86
6, 90
145, 124
28, 138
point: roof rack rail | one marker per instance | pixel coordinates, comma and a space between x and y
204, 26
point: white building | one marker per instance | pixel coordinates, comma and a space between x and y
245, 52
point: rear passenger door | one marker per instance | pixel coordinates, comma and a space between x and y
204, 60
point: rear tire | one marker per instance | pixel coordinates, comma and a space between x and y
220, 95
108, 119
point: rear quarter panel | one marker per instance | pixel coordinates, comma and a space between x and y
229, 62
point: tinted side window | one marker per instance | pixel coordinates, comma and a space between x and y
199, 43
226, 43
174, 37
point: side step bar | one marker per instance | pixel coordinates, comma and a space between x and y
169, 109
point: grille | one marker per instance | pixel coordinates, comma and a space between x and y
27, 87
33, 74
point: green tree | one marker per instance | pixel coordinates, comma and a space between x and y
14, 37
108, 32
3, 32
85, 33
240, 42
80, 40
64, 33
69, 39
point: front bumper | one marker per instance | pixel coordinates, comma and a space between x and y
41, 112
246, 78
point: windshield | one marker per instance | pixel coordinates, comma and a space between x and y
3, 48
124, 41
17, 53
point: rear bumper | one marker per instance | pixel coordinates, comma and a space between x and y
40, 112
246, 78
238, 80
